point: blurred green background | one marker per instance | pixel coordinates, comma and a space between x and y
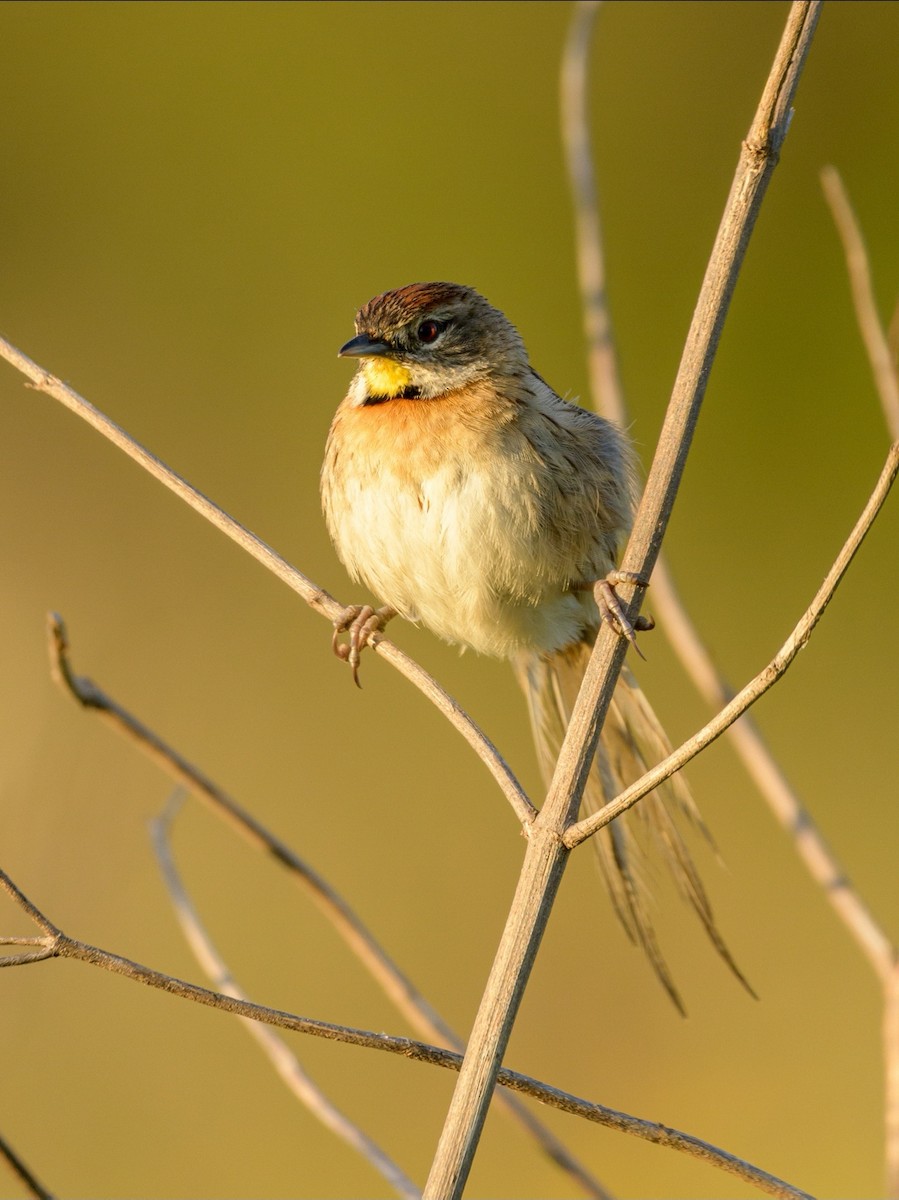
196, 198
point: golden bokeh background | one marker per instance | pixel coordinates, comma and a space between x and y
196, 198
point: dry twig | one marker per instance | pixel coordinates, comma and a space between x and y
875, 337
285, 1062
608, 397
317, 598
23, 1173
602, 360
546, 855
386, 973
756, 687
882, 953
57, 944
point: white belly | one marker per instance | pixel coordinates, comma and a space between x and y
463, 552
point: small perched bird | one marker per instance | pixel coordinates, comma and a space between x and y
469, 497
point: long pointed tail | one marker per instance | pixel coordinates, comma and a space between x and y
632, 741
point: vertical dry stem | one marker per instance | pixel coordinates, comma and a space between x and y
546, 856
881, 952
602, 360
608, 397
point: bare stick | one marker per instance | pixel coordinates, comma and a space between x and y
757, 687
602, 361
23, 1173
608, 398
762, 767
546, 855
386, 973
408, 1000
60, 945
285, 1062
881, 357
317, 598
651, 1131
873, 335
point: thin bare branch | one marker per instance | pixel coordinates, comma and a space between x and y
880, 355
64, 946
285, 1062
384, 971
602, 360
652, 1131
608, 398
881, 349
400, 990
317, 598
762, 767
23, 1173
765, 679
30, 911
546, 855
21, 960
883, 352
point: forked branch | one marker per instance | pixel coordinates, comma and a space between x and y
609, 399
546, 855
386, 973
765, 679
317, 598
608, 396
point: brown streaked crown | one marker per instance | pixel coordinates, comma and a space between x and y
447, 335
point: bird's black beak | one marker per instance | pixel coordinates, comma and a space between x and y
362, 346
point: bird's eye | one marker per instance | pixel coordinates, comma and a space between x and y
429, 331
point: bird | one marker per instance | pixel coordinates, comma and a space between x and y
469, 497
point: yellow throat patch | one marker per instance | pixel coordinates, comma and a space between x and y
385, 377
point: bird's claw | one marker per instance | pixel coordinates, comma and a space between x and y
363, 624
610, 606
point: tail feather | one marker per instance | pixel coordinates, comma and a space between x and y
632, 741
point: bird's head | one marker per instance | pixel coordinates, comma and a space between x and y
427, 339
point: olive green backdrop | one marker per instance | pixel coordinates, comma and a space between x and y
195, 199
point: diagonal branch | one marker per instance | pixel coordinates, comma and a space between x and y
317, 598
757, 687
386, 973
23, 1173
602, 359
880, 355
608, 398
546, 855
60, 945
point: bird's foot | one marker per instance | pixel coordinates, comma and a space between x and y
610, 606
364, 625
